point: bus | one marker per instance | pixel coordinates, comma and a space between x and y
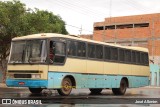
63, 62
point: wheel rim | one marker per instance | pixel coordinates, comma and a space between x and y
66, 86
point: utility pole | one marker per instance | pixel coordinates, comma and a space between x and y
80, 30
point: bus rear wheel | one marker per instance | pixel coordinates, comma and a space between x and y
35, 90
95, 90
66, 87
122, 89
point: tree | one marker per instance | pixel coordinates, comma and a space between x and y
17, 20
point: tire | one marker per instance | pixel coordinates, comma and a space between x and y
66, 87
122, 89
95, 90
35, 90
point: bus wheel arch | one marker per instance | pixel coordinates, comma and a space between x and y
72, 80
35, 90
124, 84
126, 79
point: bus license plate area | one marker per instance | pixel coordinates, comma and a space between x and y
21, 83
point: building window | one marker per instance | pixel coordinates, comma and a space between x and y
110, 27
141, 25
124, 26
99, 28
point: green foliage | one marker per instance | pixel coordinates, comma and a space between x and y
17, 20
43, 21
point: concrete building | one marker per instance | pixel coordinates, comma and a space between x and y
138, 30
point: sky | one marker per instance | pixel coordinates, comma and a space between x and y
80, 15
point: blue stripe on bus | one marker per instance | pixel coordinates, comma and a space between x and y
96, 81
27, 83
82, 81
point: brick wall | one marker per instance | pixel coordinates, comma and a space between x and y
131, 28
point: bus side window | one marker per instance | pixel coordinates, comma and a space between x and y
72, 48
127, 56
91, 51
138, 57
60, 52
107, 53
81, 49
146, 60
133, 57
121, 55
99, 52
114, 54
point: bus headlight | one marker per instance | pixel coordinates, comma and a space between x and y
36, 76
10, 75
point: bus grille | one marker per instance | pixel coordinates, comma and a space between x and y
22, 75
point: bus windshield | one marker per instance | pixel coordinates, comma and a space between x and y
30, 51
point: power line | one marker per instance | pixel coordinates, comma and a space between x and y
134, 5
74, 7
87, 30
85, 7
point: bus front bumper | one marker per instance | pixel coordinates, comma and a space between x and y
27, 83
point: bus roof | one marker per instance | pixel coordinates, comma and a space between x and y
50, 35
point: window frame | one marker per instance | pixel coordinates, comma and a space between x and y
65, 55
104, 47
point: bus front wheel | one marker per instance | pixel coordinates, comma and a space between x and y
95, 90
35, 90
66, 87
122, 89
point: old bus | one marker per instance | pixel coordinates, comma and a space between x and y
63, 62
